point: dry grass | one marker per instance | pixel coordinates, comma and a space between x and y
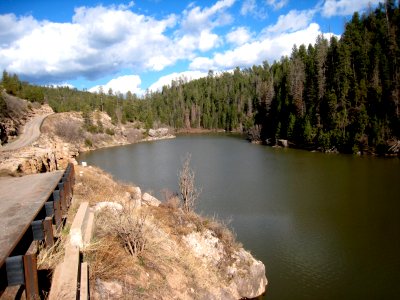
49, 258
97, 186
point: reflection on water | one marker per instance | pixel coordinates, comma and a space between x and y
326, 226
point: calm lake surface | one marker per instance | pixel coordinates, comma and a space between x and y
326, 226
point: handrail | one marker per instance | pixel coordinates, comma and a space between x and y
20, 267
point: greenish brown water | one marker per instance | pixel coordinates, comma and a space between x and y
325, 226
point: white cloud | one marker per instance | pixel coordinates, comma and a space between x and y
277, 4
97, 42
239, 36
345, 7
268, 48
121, 84
62, 84
101, 40
167, 79
197, 25
250, 7
197, 19
291, 22
207, 40
11, 28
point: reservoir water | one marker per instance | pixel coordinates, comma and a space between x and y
325, 226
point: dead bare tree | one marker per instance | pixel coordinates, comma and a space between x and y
188, 191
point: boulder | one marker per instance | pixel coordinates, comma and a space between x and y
248, 276
150, 200
136, 196
160, 132
283, 143
110, 205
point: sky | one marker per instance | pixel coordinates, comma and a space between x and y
142, 45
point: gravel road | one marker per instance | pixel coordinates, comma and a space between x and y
31, 133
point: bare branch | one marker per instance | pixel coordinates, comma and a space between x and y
188, 191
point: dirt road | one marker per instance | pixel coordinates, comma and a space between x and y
31, 133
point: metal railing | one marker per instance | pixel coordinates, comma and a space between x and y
19, 271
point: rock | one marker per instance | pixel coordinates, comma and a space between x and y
110, 205
283, 143
248, 276
160, 132
150, 200
108, 290
205, 246
136, 196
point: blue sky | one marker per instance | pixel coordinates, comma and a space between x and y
139, 45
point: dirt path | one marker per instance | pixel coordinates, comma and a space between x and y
30, 134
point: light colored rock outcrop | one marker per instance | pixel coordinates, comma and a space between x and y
114, 206
246, 274
283, 143
150, 200
160, 132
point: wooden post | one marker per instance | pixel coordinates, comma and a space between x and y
57, 209
31, 277
64, 207
48, 231
57, 214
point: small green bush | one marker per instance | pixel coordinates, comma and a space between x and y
88, 143
110, 131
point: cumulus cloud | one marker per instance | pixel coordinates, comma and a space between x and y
98, 41
268, 48
167, 79
101, 40
121, 84
238, 36
197, 26
345, 7
291, 22
11, 28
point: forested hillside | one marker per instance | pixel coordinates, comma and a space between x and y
336, 94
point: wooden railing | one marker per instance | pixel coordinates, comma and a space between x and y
19, 272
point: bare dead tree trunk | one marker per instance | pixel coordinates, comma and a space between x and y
188, 191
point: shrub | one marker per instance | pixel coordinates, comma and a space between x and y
188, 191
128, 226
88, 143
67, 130
110, 131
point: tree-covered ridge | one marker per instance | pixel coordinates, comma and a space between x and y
338, 93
